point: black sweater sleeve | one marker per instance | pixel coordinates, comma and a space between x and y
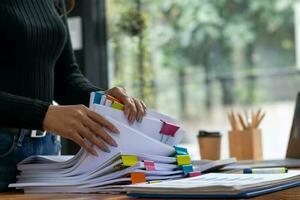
21, 112
71, 87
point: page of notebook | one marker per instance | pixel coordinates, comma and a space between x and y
130, 141
161, 163
33, 177
41, 189
150, 125
160, 169
29, 163
66, 181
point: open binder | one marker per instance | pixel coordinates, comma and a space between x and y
217, 186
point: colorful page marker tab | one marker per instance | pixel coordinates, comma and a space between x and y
97, 97
181, 150
113, 99
149, 165
183, 160
187, 169
137, 177
129, 160
169, 129
195, 173
117, 105
155, 181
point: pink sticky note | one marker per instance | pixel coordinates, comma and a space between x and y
149, 165
169, 129
195, 173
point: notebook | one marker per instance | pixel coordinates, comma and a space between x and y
217, 185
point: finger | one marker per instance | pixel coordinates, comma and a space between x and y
102, 121
140, 110
144, 106
98, 130
85, 132
127, 110
126, 100
78, 139
132, 111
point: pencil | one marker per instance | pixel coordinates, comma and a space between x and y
242, 121
257, 116
260, 119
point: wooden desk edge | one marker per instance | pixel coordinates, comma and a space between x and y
289, 194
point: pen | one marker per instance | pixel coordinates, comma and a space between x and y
276, 170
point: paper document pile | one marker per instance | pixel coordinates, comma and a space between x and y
146, 152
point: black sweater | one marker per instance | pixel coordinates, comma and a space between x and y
37, 63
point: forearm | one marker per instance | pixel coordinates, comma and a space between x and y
73, 88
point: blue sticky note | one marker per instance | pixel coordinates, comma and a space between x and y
187, 169
181, 150
97, 97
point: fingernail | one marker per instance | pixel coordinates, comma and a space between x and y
94, 152
116, 130
113, 143
129, 120
106, 149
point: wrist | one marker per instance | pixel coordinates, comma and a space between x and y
47, 118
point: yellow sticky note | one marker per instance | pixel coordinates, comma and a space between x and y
117, 105
129, 160
183, 160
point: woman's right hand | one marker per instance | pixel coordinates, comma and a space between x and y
77, 122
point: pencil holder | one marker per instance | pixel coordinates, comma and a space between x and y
246, 144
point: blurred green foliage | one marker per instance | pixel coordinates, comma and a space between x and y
223, 38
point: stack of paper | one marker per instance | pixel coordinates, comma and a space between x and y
217, 185
146, 152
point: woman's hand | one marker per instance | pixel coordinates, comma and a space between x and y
77, 122
134, 109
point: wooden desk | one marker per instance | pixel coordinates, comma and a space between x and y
290, 194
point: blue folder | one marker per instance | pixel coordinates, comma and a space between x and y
247, 194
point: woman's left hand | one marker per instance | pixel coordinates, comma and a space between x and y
134, 109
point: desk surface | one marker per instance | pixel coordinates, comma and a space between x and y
290, 194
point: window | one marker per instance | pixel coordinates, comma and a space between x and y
198, 59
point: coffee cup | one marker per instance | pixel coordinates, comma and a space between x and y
210, 145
